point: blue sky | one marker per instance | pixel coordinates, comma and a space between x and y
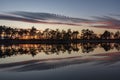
74, 8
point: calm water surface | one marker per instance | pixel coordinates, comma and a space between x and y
86, 61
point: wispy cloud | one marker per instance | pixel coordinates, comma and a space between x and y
48, 18
110, 22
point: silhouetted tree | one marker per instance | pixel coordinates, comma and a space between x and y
117, 35
106, 35
33, 32
87, 34
75, 34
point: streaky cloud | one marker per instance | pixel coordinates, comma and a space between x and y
23, 19
48, 16
108, 22
14, 18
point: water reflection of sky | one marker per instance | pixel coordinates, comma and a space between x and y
87, 71
102, 62
34, 57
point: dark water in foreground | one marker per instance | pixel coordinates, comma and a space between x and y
86, 61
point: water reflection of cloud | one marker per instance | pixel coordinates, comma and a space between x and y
46, 64
110, 58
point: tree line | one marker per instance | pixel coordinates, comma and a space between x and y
33, 33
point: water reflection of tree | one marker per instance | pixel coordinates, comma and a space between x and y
107, 46
34, 49
117, 46
75, 47
88, 47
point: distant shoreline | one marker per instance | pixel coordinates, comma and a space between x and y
55, 41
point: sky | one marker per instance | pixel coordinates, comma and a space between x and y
77, 13
74, 8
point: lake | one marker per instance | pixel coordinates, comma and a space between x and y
75, 61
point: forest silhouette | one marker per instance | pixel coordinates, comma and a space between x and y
33, 33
